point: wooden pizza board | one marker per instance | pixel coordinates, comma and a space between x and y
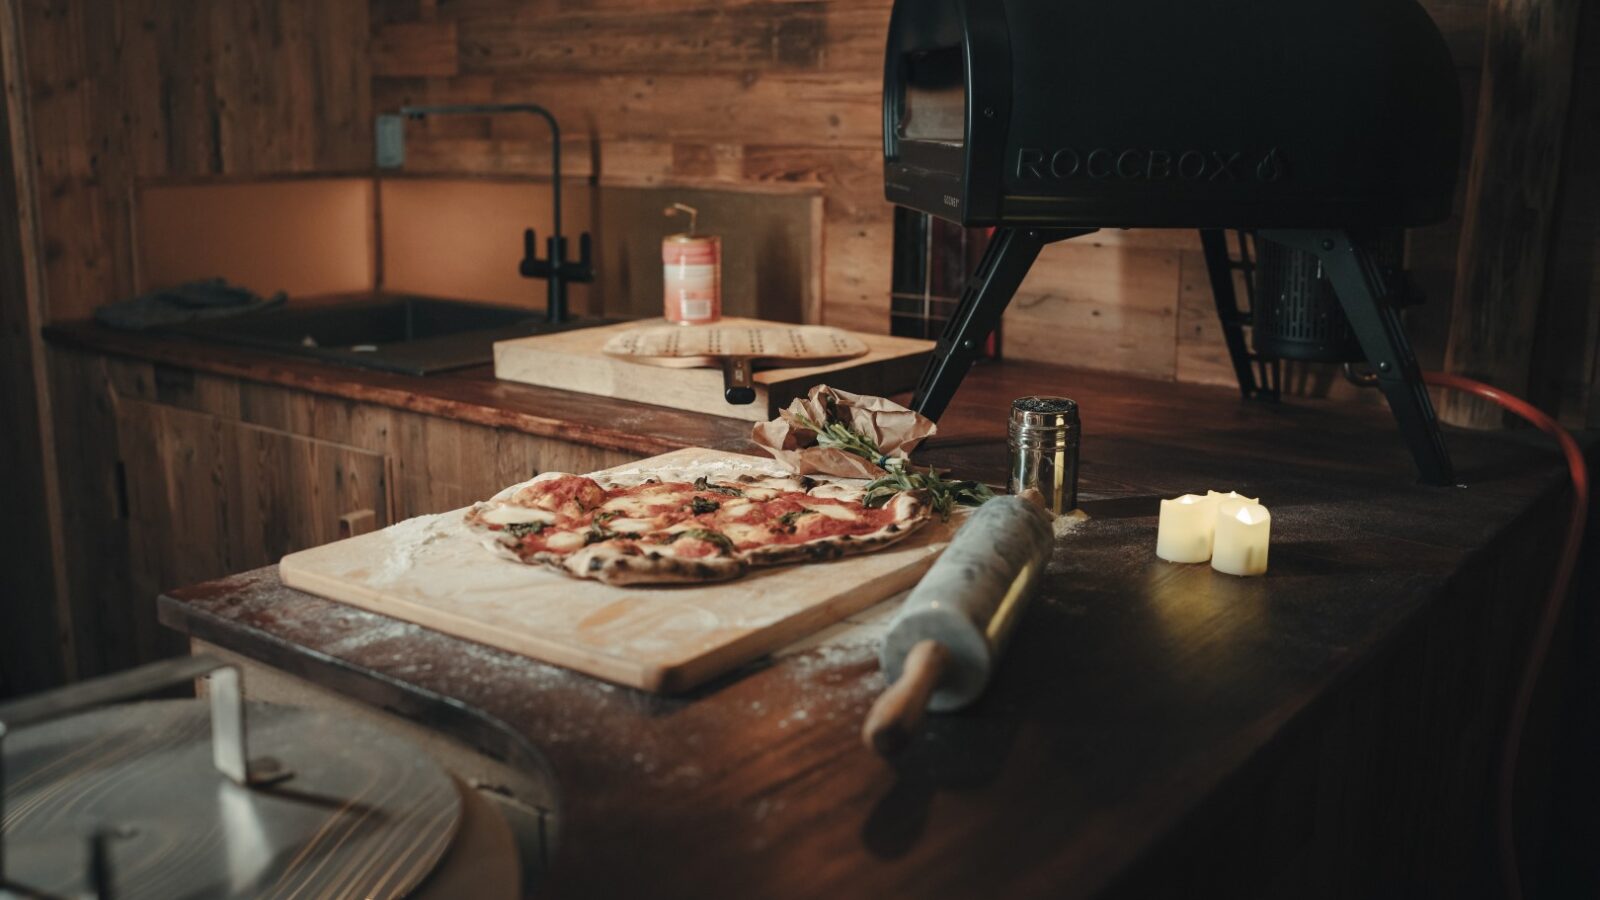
435, 572
576, 361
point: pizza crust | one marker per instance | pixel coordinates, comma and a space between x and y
610, 564
912, 510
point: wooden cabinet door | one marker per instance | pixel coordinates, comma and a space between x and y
208, 497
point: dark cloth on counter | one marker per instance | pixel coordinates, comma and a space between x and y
192, 302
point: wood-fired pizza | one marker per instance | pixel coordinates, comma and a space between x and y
667, 532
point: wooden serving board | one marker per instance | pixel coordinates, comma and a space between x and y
577, 361
435, 572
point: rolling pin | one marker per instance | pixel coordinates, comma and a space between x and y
945, 639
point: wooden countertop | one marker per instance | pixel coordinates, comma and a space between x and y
1154, 730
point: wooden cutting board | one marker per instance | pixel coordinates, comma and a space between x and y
577, 361
433, 571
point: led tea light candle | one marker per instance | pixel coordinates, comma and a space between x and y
1242, 534
1185, 530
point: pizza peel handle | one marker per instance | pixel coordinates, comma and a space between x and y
735, 349
738, 384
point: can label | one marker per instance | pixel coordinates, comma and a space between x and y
692, 280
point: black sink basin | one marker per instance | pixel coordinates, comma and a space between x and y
395, 333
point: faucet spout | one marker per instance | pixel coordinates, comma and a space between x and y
555, 267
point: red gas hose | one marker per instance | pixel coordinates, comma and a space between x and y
1552, 607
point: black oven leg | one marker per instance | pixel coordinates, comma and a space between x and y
1361, 290
1220, 267
1005, 263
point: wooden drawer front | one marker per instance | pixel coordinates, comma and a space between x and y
208, 497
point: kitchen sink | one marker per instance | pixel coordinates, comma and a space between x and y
395, 333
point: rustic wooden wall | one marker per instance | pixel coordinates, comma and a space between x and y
764, 95
151, 89
113, 93
34, 633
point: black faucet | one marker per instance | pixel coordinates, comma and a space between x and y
554, 268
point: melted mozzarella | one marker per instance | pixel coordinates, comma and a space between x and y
744, 534
631, 526
636, 505
835, 512
566, 540
517, 515
629, 505
836, 491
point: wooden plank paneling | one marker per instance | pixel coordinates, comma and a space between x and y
1202, 358
1511, 198
1085, 307
1567, 358
146, 89
208, 496
416, 49
520, 39
36, 649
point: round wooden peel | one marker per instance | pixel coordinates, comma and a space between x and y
736, 348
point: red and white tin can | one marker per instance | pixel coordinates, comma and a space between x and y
692, 276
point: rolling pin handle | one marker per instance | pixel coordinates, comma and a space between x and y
894, 718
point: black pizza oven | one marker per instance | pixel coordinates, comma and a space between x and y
1313, 125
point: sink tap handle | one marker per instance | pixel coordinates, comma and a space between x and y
532, 266
585, 263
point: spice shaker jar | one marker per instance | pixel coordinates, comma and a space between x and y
691, 274
1043, 438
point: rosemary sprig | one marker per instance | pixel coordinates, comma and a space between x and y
900, 475
945, 493
839, 436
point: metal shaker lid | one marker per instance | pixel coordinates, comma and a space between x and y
1030, 413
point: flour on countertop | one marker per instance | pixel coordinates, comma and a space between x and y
1067, 523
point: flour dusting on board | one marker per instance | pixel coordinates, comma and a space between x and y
406, 540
